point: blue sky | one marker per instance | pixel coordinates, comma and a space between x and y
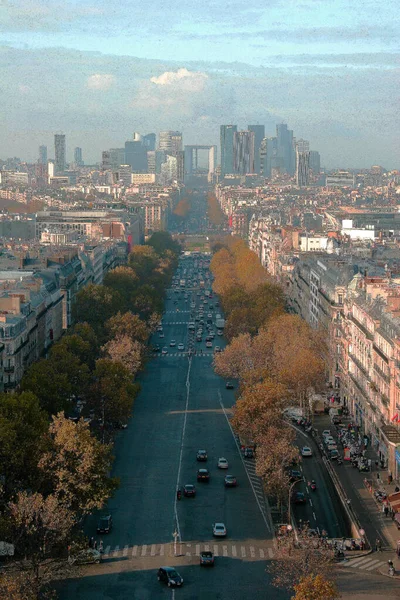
101, 70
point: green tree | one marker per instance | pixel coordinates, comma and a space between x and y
143, 259
124, 281
77, 466
23, 426
112, 393
162, 241
52, 387
95, 304
82, 342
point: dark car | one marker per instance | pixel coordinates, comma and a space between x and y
156, 348
248, 453
170, 576
229, 385
105, 524
189, 490
203, 475
295, 476
202, 455
299, 498
206, 559
230, 481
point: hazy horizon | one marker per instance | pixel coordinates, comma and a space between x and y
99, 74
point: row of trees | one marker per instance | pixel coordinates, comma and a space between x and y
55, 469
278, 361
214, 212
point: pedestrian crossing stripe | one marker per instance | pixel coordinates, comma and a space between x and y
225, 550
364, 563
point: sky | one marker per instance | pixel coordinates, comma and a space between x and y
99, 71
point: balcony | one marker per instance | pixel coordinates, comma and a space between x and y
381, 374
9, 369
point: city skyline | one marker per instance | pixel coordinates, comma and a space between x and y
99, 75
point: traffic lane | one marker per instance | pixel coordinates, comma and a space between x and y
230, 578
147, 455
207, 428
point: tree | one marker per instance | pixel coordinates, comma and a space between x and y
124, 281
67, 363
95, 304
214, 211
143, 259
53, 388
41, 528
82, 341
112, 393
147, 301
236, 361
302, 558
23, 425
77, 466
162, 242
125, 350
315, 587
128, 324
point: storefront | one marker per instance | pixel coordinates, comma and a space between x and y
397, 463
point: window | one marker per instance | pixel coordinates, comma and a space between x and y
340, 298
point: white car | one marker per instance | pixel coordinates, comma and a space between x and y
306, 451
172, 343
164, 350
332, 446
222, 463
326, 432
219, 530
181, 346
329, 440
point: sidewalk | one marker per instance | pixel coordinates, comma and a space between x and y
357, 487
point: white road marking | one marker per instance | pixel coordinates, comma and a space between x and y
377, 565
252, 552
197, 549
216, 550
270, 553
315, 518
206, 548
225, 550
262, 555
310, 501
371, 565
144, 549
125, 552
107, 550
153, 550
162, 550
116, 550
134, 550
243, 551
357, 562
234, 552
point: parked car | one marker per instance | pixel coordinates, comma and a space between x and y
248, 453
170, 576
295, 476
86, 557
299, 498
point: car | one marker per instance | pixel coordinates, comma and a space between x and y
181, 346
209, 316
172, 343
229, 385
326, 432
230, 481
164, 350
220, 332
332, 446
219, 530
203, 475
295, 476
201, 455
156, 348
88, 556
104, 524
206, 559
159, 328
306, 451
217, 349
161, 335
209, 344
299, 498
189, 490
170, 576
199, 338
248, 453
222, 463
333, 454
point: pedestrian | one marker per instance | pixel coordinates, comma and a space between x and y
386, 510
383, 507
361, 544
91, 542
369, 464
95, 544
378, 545
377, 476
101, 549
376, 463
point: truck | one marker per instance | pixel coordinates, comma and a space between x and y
220, 323
182, 282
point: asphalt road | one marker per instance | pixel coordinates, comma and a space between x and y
183, 406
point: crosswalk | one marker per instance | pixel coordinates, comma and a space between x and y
184, 354
365, 563
175, 323
191, 549
256, 483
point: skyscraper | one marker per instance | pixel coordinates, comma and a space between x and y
259, 135
302, 163
78, 157
149, 142
136, 155
43, 155
170, 142
243, 152
227, 164
285, 148
59, 147
315, 162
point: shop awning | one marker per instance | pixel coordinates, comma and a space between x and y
394, 501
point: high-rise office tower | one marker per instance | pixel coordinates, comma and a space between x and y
78, 157
124, 175
259, 135
227, 132
149, 142
43, 155
136, 155
60, 153
243, 152
315, 162
302, 163
170, 142
285, 148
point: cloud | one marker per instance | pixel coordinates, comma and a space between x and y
100, 81
191, 80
